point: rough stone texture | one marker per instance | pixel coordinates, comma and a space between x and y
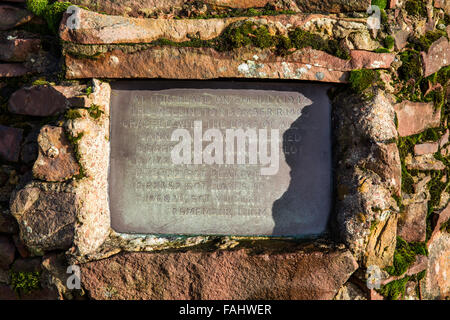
437, 280
10, 140
415, 117
350, 291
7, 252
55, 268
17, 47
61, 215
424, 162
386, 163
438, 56
8, 70
236, 274
441, 218
42, 101
143, 8
381, 246
56, 160
426, 148
96, 28
93, 220
412, 222
11, 16
443, 4
46, 214
363, 197
207, 63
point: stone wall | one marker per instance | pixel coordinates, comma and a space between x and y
391, 146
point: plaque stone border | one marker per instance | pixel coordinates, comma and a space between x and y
88, 236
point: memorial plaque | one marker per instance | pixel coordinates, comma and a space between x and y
220, 158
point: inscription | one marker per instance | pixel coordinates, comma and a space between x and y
237, 159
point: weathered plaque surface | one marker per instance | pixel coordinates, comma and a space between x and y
223, 158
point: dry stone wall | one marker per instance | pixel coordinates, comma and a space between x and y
390, 131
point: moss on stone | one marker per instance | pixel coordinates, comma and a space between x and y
380, 3
267, 10
74, 140
424, 42
52, 13
37, 7
416, 8
435, 187
302, 39
362, 79
404, 255
394, 289
411, 66
389, 42
72, 114
445, 226
25, 282
95, 112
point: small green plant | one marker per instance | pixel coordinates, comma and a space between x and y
25, 282
362, 79
95, 112
89, 91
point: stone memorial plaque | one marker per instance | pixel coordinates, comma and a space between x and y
220, 158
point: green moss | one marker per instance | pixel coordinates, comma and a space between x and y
382, 50
74, 140
52, 13
394, 289
445, 226
435, 187
37, 7
416, 8
88, 91
40, 82
95, 112
411, 66
302, 39
25, 282
268, 10
72, 114
389, 42
424, 42
380, 3
404, 255
362, 79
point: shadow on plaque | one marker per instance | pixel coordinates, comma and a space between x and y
304, 208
